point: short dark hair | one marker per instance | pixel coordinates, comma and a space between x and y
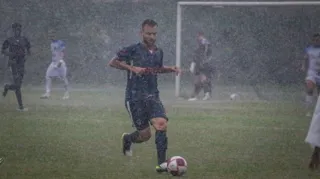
316, 35
149, 22
16, 25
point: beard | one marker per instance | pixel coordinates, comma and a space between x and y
149, 42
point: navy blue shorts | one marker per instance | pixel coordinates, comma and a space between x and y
141, 112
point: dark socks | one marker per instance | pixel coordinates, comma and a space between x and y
197, 89
17, 90
5, 90
133, 137
162, 145
19, 97
207, 87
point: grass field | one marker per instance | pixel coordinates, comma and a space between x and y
80, 139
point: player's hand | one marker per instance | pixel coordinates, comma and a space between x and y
177, 70
138, 70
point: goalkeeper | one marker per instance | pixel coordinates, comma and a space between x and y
202, 68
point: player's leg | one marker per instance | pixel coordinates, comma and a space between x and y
313, 137
310, 87
63, 77
50, 73
11, 86
197, 88
207, 90
207, 87
18, 83
138, 113
159, 121
318, 85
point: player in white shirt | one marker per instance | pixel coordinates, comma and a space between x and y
312, 66
57, 68
313, 138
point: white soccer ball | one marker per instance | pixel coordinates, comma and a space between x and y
234, 96
177, 166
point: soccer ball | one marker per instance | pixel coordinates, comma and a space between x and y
177, 166
234, 96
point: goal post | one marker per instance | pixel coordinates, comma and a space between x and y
180, 4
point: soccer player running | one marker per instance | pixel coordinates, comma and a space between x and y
143, 61
312, 65
202, 68
16, 48
57, 67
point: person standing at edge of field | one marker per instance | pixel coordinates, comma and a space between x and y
202, 68
311, 65
313, 137
143, 61
18, 47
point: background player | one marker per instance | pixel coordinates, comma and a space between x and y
313, 138
57, 67
202, 68
142, 61
312, 66
18, 47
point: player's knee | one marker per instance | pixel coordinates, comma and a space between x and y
310, 87
145, 134
310, 84
160, 124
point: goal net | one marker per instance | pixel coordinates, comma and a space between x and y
253, 43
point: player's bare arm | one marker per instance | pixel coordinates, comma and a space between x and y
165, 69
122, 65
61, 61
28, 46
206, 48
4, 49
112, 63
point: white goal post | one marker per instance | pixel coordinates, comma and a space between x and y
222, 4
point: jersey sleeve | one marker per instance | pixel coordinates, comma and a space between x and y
205, 42
124, 54
27, 45
62, 45
306, 50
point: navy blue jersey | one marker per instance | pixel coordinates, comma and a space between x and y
17, 45
140, 87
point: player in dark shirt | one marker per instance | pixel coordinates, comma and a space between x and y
16, 48
202, 68
143, 61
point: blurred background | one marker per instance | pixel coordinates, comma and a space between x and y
251, 45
